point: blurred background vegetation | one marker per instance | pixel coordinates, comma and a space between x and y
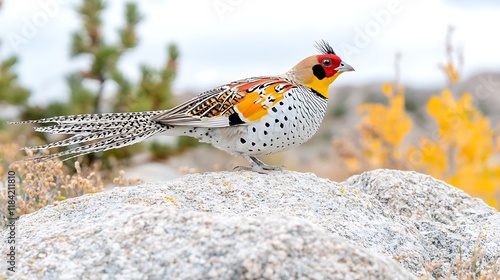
445, 132
152, 92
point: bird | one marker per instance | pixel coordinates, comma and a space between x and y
250, 117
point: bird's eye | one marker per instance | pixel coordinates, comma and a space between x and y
327, 62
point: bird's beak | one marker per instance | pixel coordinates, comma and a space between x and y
344, 67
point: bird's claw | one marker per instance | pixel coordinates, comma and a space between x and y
258, 166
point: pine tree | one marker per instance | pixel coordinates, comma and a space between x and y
152, 92
11, 92
104, 55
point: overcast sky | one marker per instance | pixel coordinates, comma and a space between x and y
224, 40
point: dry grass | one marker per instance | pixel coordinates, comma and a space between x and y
48, 182
122, 181
474, 267
470, 269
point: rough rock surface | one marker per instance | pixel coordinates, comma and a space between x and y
382, 224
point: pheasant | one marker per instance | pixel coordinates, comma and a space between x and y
249, 117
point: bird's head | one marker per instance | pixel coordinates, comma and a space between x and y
319, 71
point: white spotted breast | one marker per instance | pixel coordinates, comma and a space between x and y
289, 123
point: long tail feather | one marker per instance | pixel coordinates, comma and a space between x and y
86, 127
80, 138
104, 117
112, 131
104, 145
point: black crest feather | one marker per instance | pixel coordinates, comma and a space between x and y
324, 47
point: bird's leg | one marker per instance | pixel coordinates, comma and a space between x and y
265, 166
258, 166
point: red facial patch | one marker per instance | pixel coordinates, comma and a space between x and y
329, 62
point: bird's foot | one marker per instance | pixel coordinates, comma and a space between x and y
258, 166
243, 168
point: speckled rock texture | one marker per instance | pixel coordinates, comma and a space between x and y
383, 224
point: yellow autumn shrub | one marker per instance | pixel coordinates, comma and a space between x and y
461, 150
382, 129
